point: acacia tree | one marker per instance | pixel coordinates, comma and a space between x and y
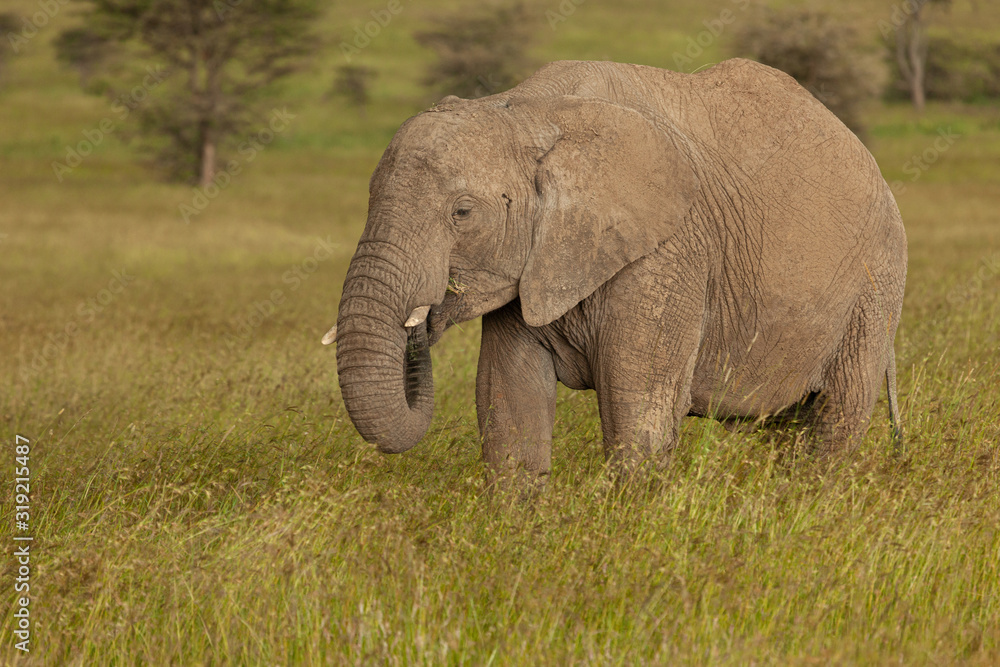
353, 82
908, 27
478, 54
218, 54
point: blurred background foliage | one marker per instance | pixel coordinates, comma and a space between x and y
236, 59
481, 52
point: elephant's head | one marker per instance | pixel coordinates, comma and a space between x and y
476, 203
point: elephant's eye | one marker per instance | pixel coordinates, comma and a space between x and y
461, 212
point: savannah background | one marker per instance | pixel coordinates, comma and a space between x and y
199, 496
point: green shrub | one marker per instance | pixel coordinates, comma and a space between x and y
956, 70
479, 54
353, 83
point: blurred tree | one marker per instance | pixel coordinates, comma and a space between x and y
824, 55
85, 51
353, 82
957, 67
481, 54
9, 25
217, 53
908, 25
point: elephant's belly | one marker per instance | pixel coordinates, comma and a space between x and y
766, 344
772, 371
744, 393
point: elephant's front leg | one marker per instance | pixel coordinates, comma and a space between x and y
643, 392
515, 401
641, 427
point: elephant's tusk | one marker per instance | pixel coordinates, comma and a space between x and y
418, 315
331, 336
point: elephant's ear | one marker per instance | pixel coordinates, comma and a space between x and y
611, 187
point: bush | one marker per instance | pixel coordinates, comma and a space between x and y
86, 51
956, 70
478, 55
9, 27
353, 83
822, 53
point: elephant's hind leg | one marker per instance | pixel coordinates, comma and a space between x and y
853, 380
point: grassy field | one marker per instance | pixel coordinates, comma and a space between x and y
199, 496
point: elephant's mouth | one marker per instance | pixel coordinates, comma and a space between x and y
439, 319
463, 305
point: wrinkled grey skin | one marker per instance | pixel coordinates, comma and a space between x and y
715, 244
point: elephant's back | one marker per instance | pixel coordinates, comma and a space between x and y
753, 123
763, 145
802, 182
761, 122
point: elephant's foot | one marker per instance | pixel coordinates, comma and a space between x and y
638, 465
515, 485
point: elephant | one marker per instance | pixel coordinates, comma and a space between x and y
715, 244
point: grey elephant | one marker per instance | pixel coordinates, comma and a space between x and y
716, 244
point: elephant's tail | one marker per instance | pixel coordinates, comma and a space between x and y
890, 386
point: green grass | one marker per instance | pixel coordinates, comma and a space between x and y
199, 495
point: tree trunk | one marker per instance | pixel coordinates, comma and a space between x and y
911, 56
917, 93
207, 158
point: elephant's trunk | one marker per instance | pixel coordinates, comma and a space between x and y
384, 368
